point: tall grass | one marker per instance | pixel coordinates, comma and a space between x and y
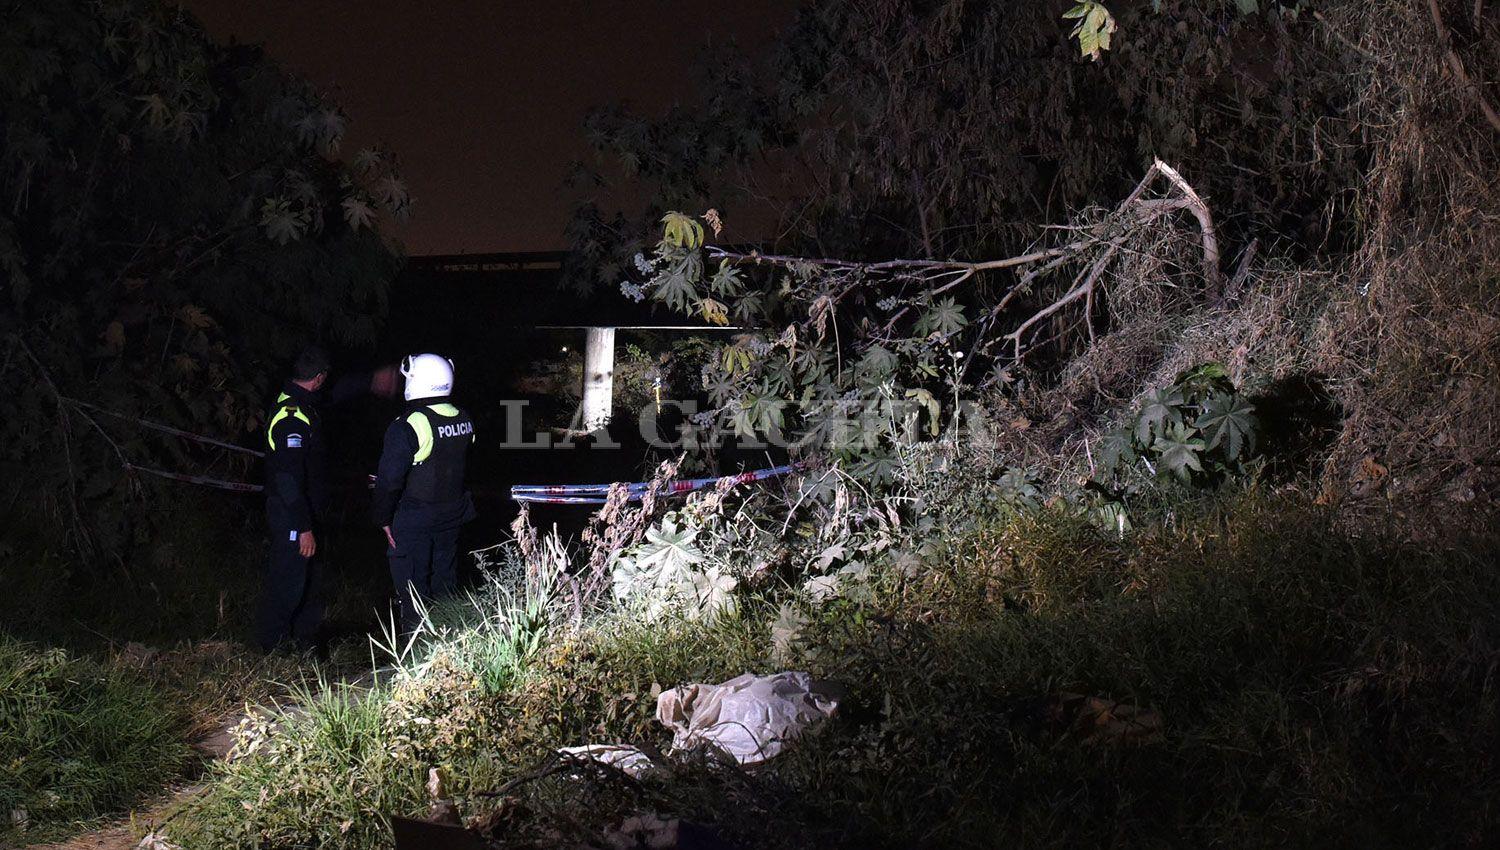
1314, 689
78, 739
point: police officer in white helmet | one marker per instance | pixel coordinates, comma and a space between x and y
420, 500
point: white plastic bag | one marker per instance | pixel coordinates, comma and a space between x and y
749, 717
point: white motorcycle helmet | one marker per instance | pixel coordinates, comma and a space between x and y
427, 376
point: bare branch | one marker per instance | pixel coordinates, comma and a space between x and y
1211, 271
1078, 291
85, 540
1133, 214
1456, 65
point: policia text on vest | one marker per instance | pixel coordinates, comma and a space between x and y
421, 502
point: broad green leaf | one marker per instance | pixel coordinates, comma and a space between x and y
1112, 516
721, 389
668, 545
877, 364
735, 358
156, 111
1229, 419
1116, 451
392, 193
1179, 451
1162, 407
358, 214
934, 409
787, 631
1094, 28
1197, 383
1017, 488
727, 281
281, 222
877, 469
747, 308
744, 417
682, 231
367, 160
675, 290
767, 414
194, 317
945, 317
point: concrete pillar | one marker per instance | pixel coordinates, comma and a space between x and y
598, 377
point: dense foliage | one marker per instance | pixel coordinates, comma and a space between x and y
175, 221
1338, 150
902, 128
910, 130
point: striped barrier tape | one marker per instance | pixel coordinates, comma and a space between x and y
596, 494
165, 429
201, 480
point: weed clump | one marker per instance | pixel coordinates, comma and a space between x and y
78, 739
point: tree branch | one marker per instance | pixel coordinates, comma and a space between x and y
1129, 217
1211, 271
1456, 65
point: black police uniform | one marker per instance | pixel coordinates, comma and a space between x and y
419, 493
297, 498
291, 603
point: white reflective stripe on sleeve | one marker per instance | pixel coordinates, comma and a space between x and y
293, 537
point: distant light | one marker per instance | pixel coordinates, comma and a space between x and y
565, 349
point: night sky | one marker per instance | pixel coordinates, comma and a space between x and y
484, 100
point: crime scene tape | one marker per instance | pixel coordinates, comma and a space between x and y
202, 480
596, 494
166, 429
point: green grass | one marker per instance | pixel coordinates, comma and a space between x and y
1314, 688
79, 739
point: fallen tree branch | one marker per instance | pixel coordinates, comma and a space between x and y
1090, 278
1211, 271
1133, 214
891, 266
165, 429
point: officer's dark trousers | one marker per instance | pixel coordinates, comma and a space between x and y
291, 600
424, 562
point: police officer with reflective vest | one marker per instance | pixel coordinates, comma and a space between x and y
297, 498
420, 501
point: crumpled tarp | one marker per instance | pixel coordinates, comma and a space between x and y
749, 717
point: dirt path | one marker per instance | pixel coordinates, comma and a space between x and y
126, 832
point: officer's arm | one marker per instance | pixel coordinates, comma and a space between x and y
288, 462
395, 462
